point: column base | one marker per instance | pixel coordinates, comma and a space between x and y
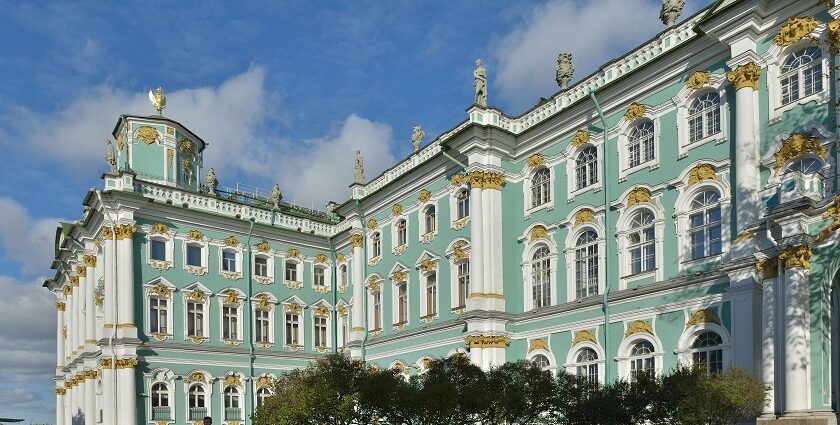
800, 418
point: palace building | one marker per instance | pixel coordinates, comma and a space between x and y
679, 205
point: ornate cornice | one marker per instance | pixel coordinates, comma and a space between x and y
702, 316
584, 336
795, 146
638, 326
795, 29
126, 363
798, 257
701, 172
486, 180
489, 341
745, 76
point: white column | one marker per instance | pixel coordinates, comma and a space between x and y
768, 338
476, 248
745, 79
491, 198
74, 399
90, 306
90, 397
108, 393
797, 353
126, 392
109, 257
126, 327
60, 306
357, 330
73, 314
60, 392
81, 271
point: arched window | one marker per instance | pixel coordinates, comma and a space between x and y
233, 412
806, 165
541, 361
586, 365
640, 147
160, 402
429, 219
586, 264
704, 117
704, 225
463, 200
541, 278
802, 75
198, 408
586, 168
376, 240
402, 236
262, 395
642, 361
642, 243
541, 188
707, 353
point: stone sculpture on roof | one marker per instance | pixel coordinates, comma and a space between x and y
158, 100
480, 84
212, 182
360, 168
417, 136
565, 70
671, 11
111, 157
276, 196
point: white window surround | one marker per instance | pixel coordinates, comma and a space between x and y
169, 246
150, 292
165, 377
187, 296
327, 287
623, 243
552, 362
423, 277
453, 269
298, 263
685, 99
681, 221
624, 350
624, 129
455, 222
527, 190
812, 129
571, 358
237, 251
205, 255
269, 278
569, 253
397, 247
241, 389
395, 294
774, 59
684, 350
571, 163
287, 308
531, 248
374, 259
206, 385
375, 284
343, 322
343, 278
321, 304
222, 298
424, 234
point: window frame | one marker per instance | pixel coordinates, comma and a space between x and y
775, 58
625, 130
168, 246
625, 356
684, 350
682, 209
288, 325
572, 362
169, 393
237, 253
240, 393
326, 275
269, 266
626, 275
327, 319
205, 330
528, 189
374, 316
298, 268
434, 300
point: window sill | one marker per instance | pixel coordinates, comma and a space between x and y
160, 336
375, 260
461, 223
264, 345
592, 187
548, 206
264, 280
230, 275
399, 326
196, 270
776, 113
294, 347
160, 264
232, 341
428, 318
197, 339
640, 275
400, 249
459, 310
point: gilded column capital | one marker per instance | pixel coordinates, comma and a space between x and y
81, 271
126, 363
60, 391
796, 257
486, 180
745, 76
487, 341
357, 240
59, 305
125, 231
90, 260
768, 267
107, 363
74, 280
107, 233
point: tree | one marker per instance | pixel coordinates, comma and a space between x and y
446, 392
519, 392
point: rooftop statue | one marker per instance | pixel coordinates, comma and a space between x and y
276, 196
360, 168
671, 11
158, 100
417, 136
480, 84
212, 182
565, 70
111, 156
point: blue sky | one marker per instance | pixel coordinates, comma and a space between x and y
284, 91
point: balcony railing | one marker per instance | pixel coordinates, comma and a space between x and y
197, 413
161, 413
233, 414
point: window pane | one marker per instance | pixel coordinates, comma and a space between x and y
158, 250
193, 255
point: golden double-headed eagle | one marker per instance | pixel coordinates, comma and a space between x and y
158, 100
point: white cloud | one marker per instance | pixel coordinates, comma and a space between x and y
27, 241
234, 118
593, 31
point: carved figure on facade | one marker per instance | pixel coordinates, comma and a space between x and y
148, 134
671, 11
795, 146
638, 326
796, 257
536, 160
480, 84
705, 315
275, 196
565, 70
538, 344
417, 136
584, 336
425, 195
585, 215
357, 240
581, 137
158, 100
211, 182
396, 210
795, 29
111, 157
538, 232
360, 168
187, 172
459, 253
486, 180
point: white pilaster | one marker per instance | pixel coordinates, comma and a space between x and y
126, 393
109, 258
768, 341
108, 392
82, 305
744, 77
493, 248
59, 404
743, 294
90, 397
73, 314
90, 306
60, 306
126, 327
357, 330
797, 353
476, 249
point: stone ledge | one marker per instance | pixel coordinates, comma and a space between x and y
797, 421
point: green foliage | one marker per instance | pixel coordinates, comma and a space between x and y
336, 390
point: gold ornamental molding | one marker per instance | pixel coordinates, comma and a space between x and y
322, 311
399, 276
638, 326
81, 271
458, 251
357, 240
125, 231
701, 172
745, 76
195, 377
635, 111
536, 160
148, 134
265, 302
797, 145
231, 297
187, 146
486, 180
195, 235
340, 257
60, 306
342, 311
292, 253
160, 228
745, 236
292, 308
233, 380
160, 290
833, 36
538, 232
702, 316
231, 241
638, 195
396, 210
264, 381
263, 246
833, 211
538, 344
768, 267
126, 363
458, 179
90, 260
197, 295
798, 257
580, 138
699, 79
795, 29
488, 295
584, 336
425, 195
74, 280
107, 233
67, 289
489, 341
321, 259
584, 215
98, 298
428, 265
60, 391
106, 363
372, 224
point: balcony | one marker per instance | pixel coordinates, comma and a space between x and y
162, 413
797, 185
233, 414
197, 413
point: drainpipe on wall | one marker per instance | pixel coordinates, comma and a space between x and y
605, 170
364, 273
248, 310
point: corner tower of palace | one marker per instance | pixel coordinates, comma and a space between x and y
678, 206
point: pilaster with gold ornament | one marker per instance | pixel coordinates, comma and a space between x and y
797, 262
90, 301
745, 78
357, 330
124, 234
768, 270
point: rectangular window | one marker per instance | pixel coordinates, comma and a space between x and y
377, 311
589, 371
695, 128
463, 283
402, 303
263, 325
261, 266
320, 331
343, 334
194, 255
158, 313
230, 323
158, 250
292, 329
195, 319
229, 261
431, 294
790, 89
319, 276
291, 272
635, 155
